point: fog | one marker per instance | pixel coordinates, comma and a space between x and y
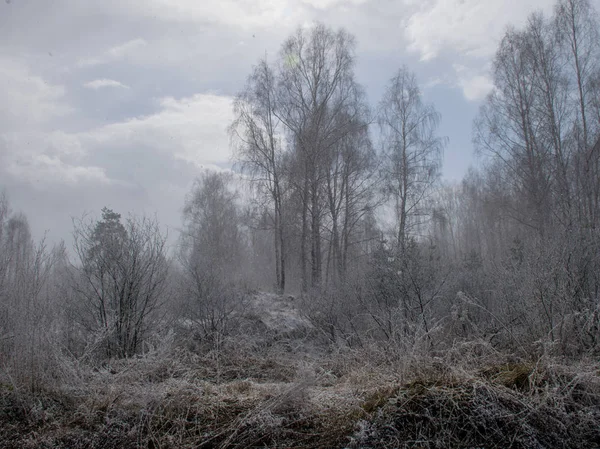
301, 249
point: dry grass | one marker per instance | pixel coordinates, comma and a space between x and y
272, 398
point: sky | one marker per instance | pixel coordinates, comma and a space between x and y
122, 103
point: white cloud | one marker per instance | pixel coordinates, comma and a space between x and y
42, 171
471, 27
242, 13
437, 81
104, 82
326, 4
30, 151
47, 159
193, 129
27, 99
129, 47
476, 87
474, 84
187, 132
467, 31
115, 53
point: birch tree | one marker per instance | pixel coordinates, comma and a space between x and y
211, 252
258, 135
412, 151
316, 85
577, 29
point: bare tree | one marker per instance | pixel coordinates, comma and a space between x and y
25, 310
509, 129
211, 253
350, 178
316, 85
4, 256
412, 150
259, 134
552, 107
121, 278
577, 27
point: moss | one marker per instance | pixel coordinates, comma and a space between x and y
512, 375
378, 398
473, 414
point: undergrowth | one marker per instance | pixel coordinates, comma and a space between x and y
346, 399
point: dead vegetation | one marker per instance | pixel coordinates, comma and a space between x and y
518, 406
234, 399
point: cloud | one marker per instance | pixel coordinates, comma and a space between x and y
104, 82
469, 27
43, 171
140, 164
466, 32
326, 4
476, 87
474, 84
31, 151
192, 129
27, 99
129, 47
183, 60
239, 13
47, 159
435, 81
113, 54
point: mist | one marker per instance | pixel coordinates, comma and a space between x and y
288, 262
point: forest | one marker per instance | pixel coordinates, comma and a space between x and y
332, 290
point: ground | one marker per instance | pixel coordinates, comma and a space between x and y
272, 393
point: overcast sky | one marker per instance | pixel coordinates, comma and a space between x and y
120, 103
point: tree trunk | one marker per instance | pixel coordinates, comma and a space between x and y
315, 239
304, 237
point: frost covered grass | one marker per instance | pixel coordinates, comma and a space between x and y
243, 396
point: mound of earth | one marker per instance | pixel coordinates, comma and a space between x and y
275, 314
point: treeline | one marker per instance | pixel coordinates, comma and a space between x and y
340, 203
536, 236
